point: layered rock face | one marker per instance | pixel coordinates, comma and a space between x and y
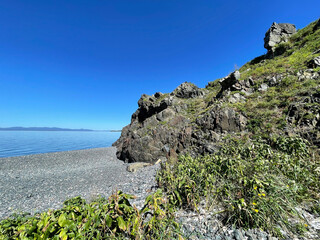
166, 125
277, 33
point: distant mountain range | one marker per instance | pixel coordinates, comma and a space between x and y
53, 129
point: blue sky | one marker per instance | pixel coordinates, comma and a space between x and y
85, 64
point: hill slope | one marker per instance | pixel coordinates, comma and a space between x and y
277, 93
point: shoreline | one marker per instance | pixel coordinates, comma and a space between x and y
38, 182
35, 154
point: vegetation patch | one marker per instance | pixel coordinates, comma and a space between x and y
259, 183
113, 218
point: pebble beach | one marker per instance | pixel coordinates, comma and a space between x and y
36, 183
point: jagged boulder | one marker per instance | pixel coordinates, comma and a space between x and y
278, 33
230, 80
232, 83
188, 90
150, 105
152, 139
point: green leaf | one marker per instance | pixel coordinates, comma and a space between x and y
121, 223
62, 220
178, 196
63, 235
108, 221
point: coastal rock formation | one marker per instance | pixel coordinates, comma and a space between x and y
193, 120
166, 125
277, 33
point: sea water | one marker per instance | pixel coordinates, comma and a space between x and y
18, 143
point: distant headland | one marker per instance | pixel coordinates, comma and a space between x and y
53, 129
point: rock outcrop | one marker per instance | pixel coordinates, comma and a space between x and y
230, 80
166, 125
305, 116
194, 121
188, 90
278, 33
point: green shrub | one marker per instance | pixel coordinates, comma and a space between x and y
113, 218
259, 183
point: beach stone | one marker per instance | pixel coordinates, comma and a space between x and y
133, 167
238, 235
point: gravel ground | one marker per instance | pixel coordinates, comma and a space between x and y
38, 182
203, 225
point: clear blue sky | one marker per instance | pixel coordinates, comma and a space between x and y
85, 63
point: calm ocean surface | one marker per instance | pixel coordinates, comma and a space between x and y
18, 143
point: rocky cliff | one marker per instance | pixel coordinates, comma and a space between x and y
274, 93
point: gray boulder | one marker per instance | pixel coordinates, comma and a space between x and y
221, 120
230, 80
150, 105
278, 33
232, 83
237, 97
187, 90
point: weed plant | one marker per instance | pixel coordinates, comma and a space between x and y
259, 183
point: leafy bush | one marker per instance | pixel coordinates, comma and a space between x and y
259, 183
114, 218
